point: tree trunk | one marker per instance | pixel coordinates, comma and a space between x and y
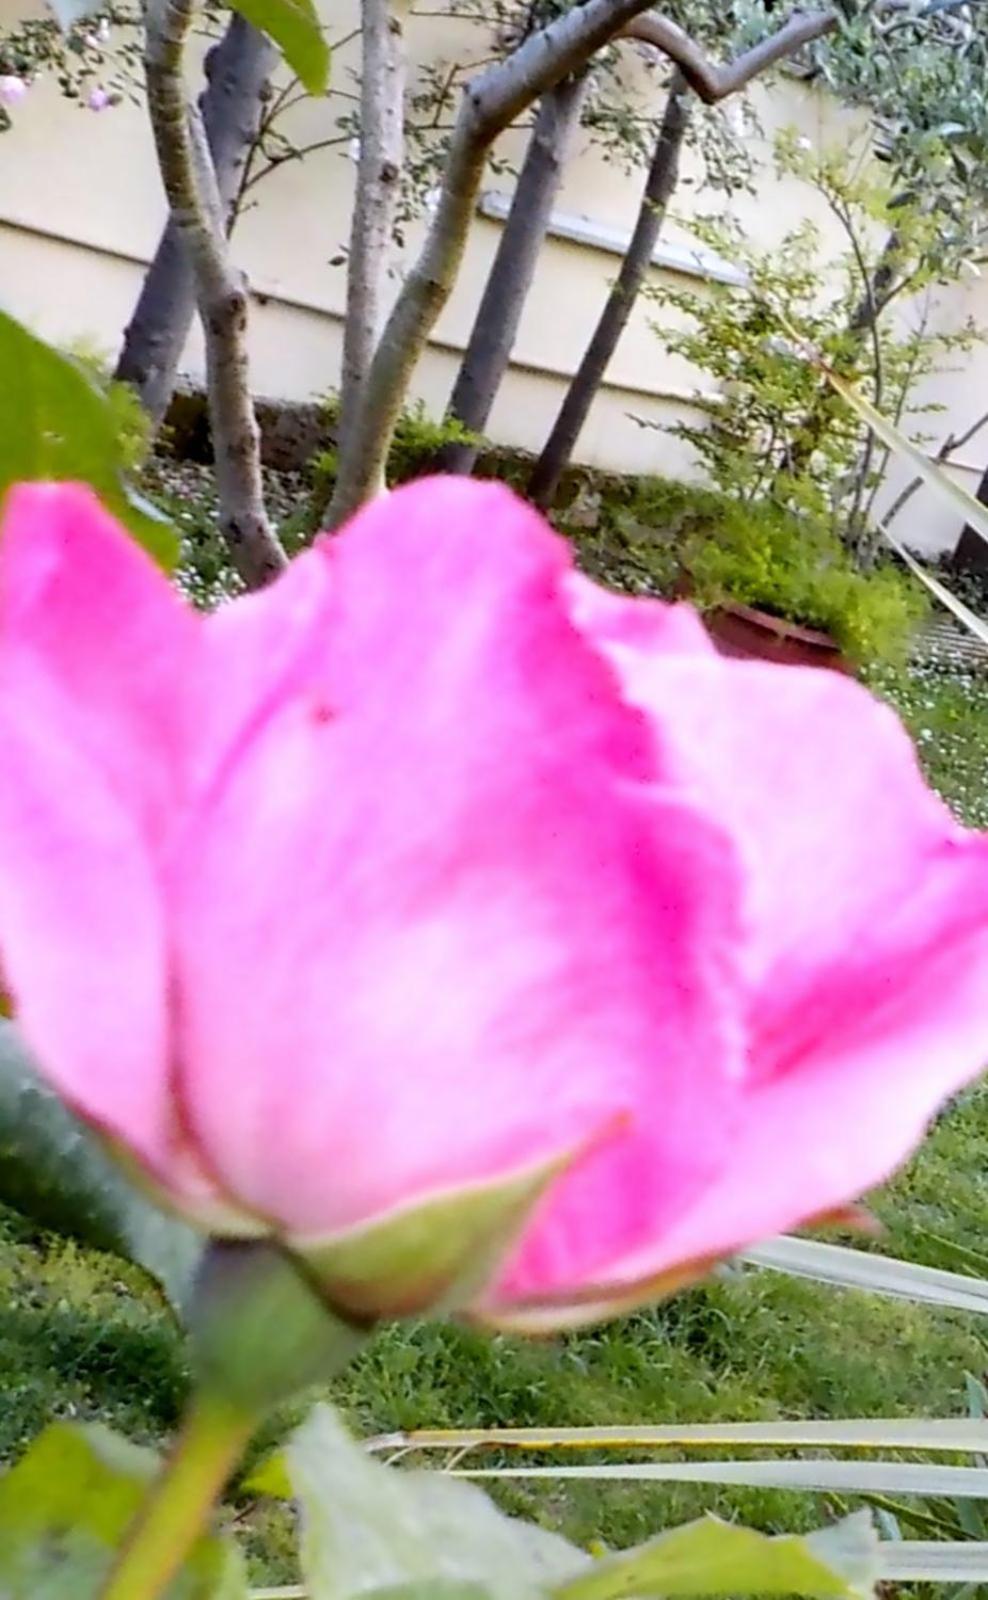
197, 213
971, 551
662, 178
237, 69
491, 102
382, 91
496, 325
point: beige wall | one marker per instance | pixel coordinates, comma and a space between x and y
81, 208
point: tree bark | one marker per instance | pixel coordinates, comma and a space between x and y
490, 103
971, 551
197, 214
499, 313
663, 175
719, 84
237, 69
382, 91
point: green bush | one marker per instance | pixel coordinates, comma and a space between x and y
418, 439
132, 423
758, 553
771, 425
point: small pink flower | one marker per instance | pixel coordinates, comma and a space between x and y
433, 867
97, 99
12, 90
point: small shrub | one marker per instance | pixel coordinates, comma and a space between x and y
418, 439
700, 541
772, 425
132, 424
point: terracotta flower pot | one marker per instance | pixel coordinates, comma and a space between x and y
740, 630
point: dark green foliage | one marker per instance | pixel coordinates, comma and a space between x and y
57, 422
54, 1170
418, 439
671, 537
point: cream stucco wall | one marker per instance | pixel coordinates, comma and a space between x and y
81, 209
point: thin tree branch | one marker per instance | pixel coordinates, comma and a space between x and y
949, 447
660, 185
295, 153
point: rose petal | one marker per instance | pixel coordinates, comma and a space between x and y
434, 922
88, 619
90, 638
867, 951
844, 1119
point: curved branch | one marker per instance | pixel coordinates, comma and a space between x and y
712, 82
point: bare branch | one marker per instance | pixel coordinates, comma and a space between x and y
190, 184
711, 82
949, 447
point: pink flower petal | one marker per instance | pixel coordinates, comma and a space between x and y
430, 921
650, 626
844, 1118
867, 948
92, 643
433, 862
90, 620
81, 927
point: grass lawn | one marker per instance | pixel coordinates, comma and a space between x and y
80, 1337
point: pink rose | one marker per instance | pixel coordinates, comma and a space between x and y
97, 99
12, 90
434, 875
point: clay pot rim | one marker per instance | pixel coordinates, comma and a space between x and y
779, 625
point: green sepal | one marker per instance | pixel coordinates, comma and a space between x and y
260, 1332
434, 1257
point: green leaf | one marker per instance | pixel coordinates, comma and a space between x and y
431, 1256
294, 27
270, 1479
65, 1508
855, 1269
54, 1170
714, 1557
955, 1435
55, 423
366, 1526
819, 1476
934, 1561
